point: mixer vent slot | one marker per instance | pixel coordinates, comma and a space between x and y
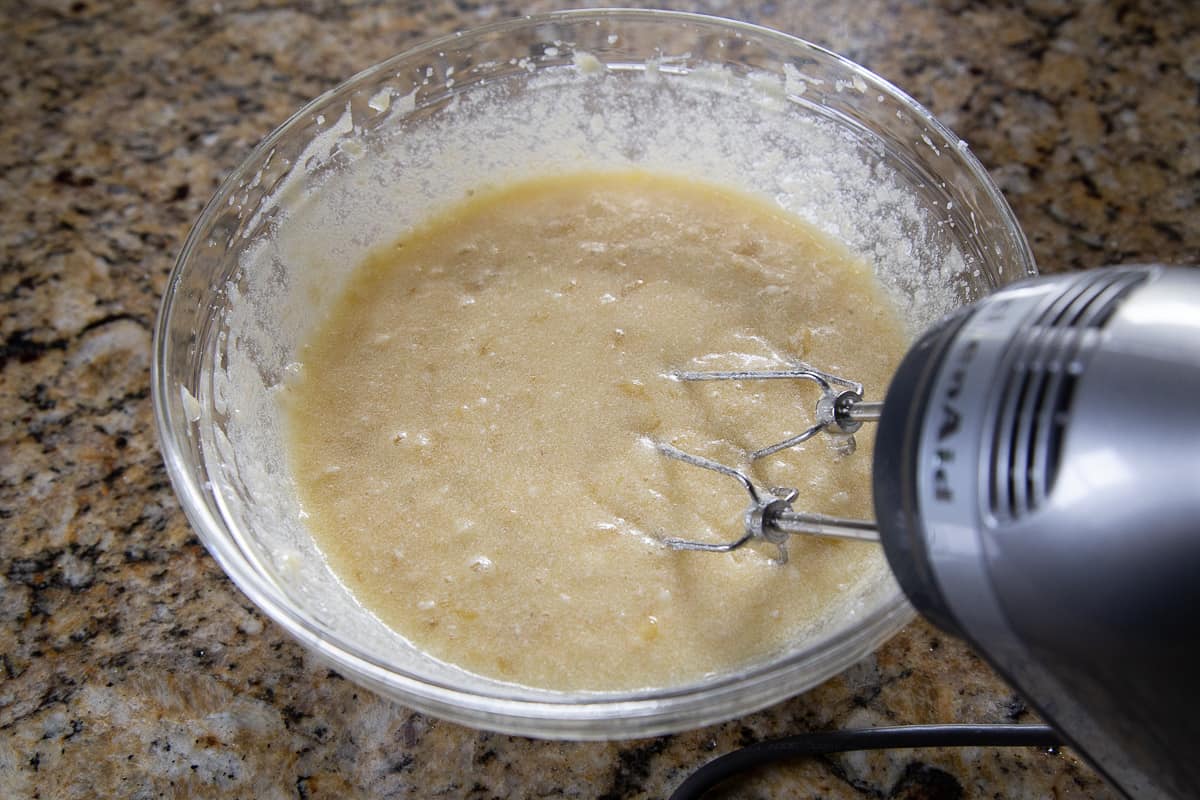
1043, 365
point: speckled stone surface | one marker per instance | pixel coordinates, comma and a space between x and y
131, 667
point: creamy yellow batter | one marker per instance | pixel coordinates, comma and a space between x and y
472, 428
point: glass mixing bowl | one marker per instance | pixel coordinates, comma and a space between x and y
679, 93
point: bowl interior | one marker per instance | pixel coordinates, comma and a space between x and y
680, 94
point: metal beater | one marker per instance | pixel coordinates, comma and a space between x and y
840, 412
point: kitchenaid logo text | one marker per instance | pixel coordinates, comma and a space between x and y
951, 422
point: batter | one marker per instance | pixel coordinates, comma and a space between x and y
472, 429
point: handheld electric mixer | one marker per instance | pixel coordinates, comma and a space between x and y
1036, 485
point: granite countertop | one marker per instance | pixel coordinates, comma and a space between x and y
129, 664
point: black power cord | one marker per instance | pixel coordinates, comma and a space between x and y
904, 736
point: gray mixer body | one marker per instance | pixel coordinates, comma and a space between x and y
1037, 491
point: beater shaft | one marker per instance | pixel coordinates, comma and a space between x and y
859, 530
864, 411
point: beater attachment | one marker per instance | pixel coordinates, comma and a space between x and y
840, 412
